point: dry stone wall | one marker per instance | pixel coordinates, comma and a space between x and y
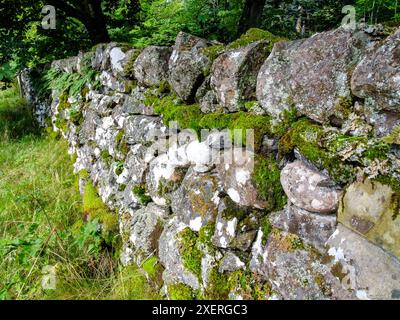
309, 210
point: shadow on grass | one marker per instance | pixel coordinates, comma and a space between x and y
16, 116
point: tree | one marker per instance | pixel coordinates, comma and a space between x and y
251, 15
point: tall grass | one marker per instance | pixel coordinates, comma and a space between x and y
41, 222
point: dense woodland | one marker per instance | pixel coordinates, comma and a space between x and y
80, 24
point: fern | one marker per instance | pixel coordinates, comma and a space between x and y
394, 137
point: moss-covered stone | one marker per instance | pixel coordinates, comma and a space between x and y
191, 254
107, 158
180, 292
254, 35
307, 137
140, 193
94, 208
266, 176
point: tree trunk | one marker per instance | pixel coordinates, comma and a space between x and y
251, 15
95, 22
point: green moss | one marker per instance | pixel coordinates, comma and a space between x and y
232, 210
105, 155
119, 168
244, 283
121, 145
307, 137
129, 65
76, 117
164, 88
94, 208
140, 192
218, 287
191, 255
187, 117
212, 52
266, 176
343, 108
84, 174
286, 120
150, 266
238, 123
389, 181
249, 105
180, 292
266, 229
377, 151
206, 234
254, 35
394, 137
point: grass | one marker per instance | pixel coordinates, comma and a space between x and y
41, 221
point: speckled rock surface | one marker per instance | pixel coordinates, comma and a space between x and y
323, 62
188, 65
309, 189
366, 269
377, 77
151, 66
234, 74
196, 201
312, 228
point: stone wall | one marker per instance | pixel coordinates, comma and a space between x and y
310, 210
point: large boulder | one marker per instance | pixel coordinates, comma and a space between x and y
309, 189
313, 74
372, 210
151, 66
377, 77
364, 267
188, 65
234, 74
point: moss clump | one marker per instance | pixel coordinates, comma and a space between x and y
140, 192
94, 208
105, 155
76, 117
187, 117
254, 35
232, 210
180, 292
389, 181
206, 234
244, 283
238, 123
343, 108
120, 143
307, 137
218, 287
130, 63
266, 176
377, 151
119, 168
84, 174
212, 52
266, 229
191, 255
